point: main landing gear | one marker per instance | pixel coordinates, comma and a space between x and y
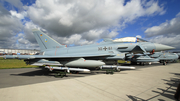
61, 74
164, 63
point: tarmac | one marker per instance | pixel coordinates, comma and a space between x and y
154, 82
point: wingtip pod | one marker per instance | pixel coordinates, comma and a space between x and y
10, 56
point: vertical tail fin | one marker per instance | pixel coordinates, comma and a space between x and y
44, 41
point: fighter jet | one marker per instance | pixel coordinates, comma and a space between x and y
130, 46
162, 57
165, 57
140, 58
86, 56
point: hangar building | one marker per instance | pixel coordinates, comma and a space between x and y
4, 51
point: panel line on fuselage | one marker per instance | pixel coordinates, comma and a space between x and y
55, 51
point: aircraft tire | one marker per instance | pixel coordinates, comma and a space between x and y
164, 63
143, 63
134, 63
118, 70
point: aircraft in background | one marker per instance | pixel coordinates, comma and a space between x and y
165, 57
86, 56
130, 47
140, 58
162, 57
178, 53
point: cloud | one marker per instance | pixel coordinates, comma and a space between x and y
168, 27
74, 39
9, 27
168, 40
90, 19
138, 36
154, 8
28, 35
20, 15
14, 3
166, 33
76, 22
23, 43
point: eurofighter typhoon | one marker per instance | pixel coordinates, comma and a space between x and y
83, 57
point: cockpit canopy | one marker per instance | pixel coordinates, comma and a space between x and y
129, 39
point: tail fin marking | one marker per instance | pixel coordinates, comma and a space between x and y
44, 41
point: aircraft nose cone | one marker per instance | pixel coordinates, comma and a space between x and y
160, 47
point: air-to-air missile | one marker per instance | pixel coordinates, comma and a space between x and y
86, 56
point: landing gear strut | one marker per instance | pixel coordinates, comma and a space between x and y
142, 63
164, 63
109, 71
60, 74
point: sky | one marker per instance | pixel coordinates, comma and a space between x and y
82, 22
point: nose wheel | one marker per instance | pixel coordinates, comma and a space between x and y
164, 63
142, 63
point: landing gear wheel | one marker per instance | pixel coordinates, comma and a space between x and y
134, 63
61, 74
74, 72
109, 71
164, 63
118, 70
143, 63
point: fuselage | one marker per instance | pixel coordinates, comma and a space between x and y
117, 48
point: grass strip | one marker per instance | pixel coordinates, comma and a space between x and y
13, 63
